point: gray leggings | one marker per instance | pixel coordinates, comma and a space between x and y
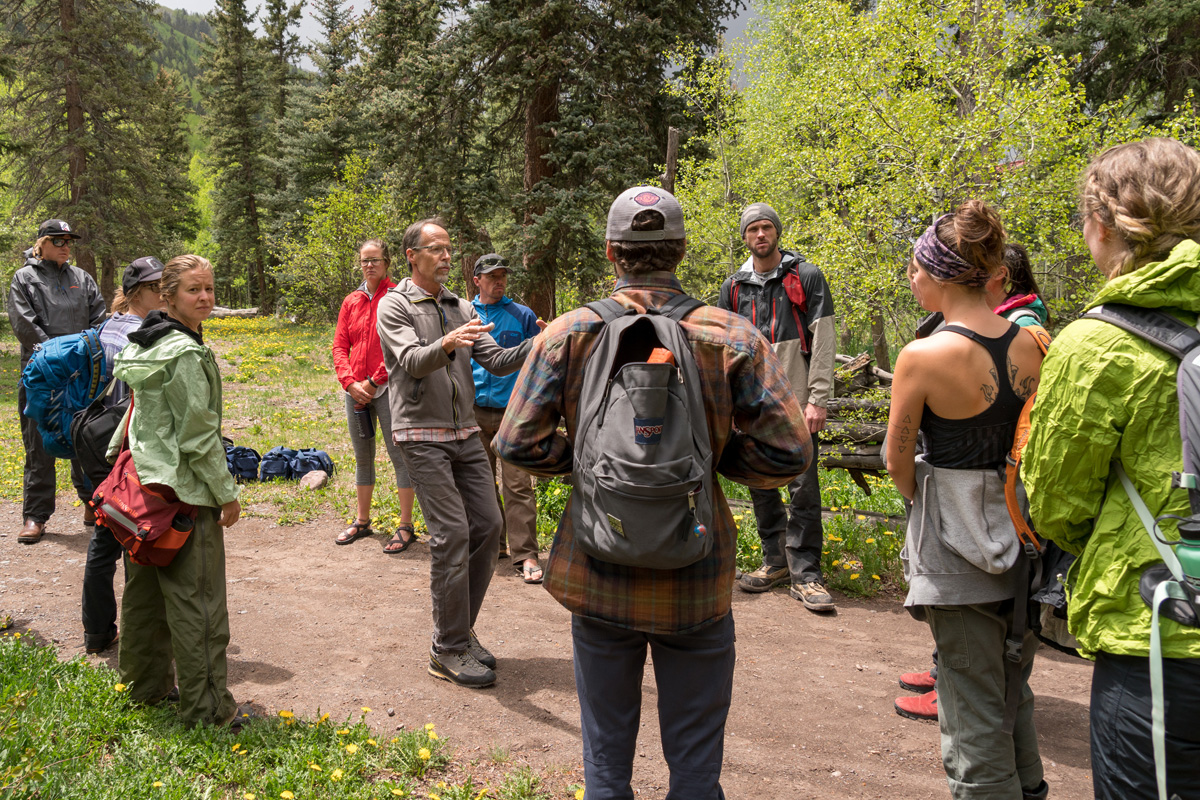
364, 449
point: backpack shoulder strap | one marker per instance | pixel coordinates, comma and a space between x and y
609, 309
1157, 327
680, 306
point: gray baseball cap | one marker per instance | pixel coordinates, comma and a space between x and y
643, 198
759, 211
490, 263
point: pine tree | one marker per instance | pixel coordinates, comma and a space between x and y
86, 122
233, 76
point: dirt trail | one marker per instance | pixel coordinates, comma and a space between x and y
337, 628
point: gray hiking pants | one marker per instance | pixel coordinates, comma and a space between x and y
457, 493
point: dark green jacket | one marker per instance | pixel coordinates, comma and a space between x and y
1108, 395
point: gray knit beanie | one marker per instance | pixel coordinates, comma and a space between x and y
756, 211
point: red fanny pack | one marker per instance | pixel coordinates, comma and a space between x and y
147, 519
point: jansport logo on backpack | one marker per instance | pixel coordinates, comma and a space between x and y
643, 460
64, 375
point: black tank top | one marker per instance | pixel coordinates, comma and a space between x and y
981, 441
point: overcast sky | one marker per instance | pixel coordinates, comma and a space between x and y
310, 29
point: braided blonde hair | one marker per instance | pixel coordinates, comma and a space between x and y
1148, 193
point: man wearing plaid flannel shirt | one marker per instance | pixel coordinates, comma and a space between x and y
758, 438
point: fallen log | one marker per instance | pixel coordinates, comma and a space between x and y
837, 430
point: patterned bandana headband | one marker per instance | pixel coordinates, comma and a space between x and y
940, 261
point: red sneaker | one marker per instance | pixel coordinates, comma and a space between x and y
923, 706
919, 682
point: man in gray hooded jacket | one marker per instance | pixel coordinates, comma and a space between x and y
49, 297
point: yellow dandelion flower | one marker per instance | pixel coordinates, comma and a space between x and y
157, 784
428, 726
433, 736
324, 717
871, 540
351, 749
398, 792
286, 795
336, 775
366, 710
441, 784
249, 796
395, 739
120, 687
579, 794
373, 743
875, 577
834, 508
424, 754
837, 561
314, 766
286, 714
433, 796
482, 792
343, 731
860, 516
853, 576
235, 747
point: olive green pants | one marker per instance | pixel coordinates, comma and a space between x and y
178, 613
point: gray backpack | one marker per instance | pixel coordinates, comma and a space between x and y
643, 460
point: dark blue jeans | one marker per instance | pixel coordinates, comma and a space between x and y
99, 599
694, 676
793, 540
40, 483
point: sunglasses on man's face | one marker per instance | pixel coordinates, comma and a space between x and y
61, 241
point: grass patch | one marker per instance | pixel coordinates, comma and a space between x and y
69, 730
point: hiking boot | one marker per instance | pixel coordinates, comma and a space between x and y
460, 668
813, 595
479, 652
98, 644
32, 532
919, 682
764, 579
922, 706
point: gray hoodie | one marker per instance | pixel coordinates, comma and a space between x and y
961, 546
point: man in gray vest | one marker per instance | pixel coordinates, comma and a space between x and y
788, 300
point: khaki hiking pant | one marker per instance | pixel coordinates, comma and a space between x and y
520, 501
178, 613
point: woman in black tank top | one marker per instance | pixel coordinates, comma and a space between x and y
963, 388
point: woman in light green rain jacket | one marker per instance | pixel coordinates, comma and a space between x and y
178, 612
1107, 395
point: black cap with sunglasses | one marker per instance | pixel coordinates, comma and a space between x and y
57, 230
147, 269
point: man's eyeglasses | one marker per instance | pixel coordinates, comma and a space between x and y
153, 287
370, 262
61, 241
437, 248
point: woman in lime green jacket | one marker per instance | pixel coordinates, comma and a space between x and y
178, 613
1105, 396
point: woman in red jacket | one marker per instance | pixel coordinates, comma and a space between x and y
358, 359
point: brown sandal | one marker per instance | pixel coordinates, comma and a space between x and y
355, 531
397, 539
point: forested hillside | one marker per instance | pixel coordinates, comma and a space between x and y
181, 34
518, 121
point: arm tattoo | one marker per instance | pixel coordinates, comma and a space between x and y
904, 435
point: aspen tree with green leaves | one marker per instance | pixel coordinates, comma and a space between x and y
867, 125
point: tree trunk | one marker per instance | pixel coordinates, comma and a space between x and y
879, 341
540, 262
77, 160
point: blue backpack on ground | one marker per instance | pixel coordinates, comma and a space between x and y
64, 376
307, 460
277, 464
242, 462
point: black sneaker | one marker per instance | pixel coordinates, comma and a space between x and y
479, 652
98, 644
460, 668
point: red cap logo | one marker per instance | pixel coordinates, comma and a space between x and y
646, 198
